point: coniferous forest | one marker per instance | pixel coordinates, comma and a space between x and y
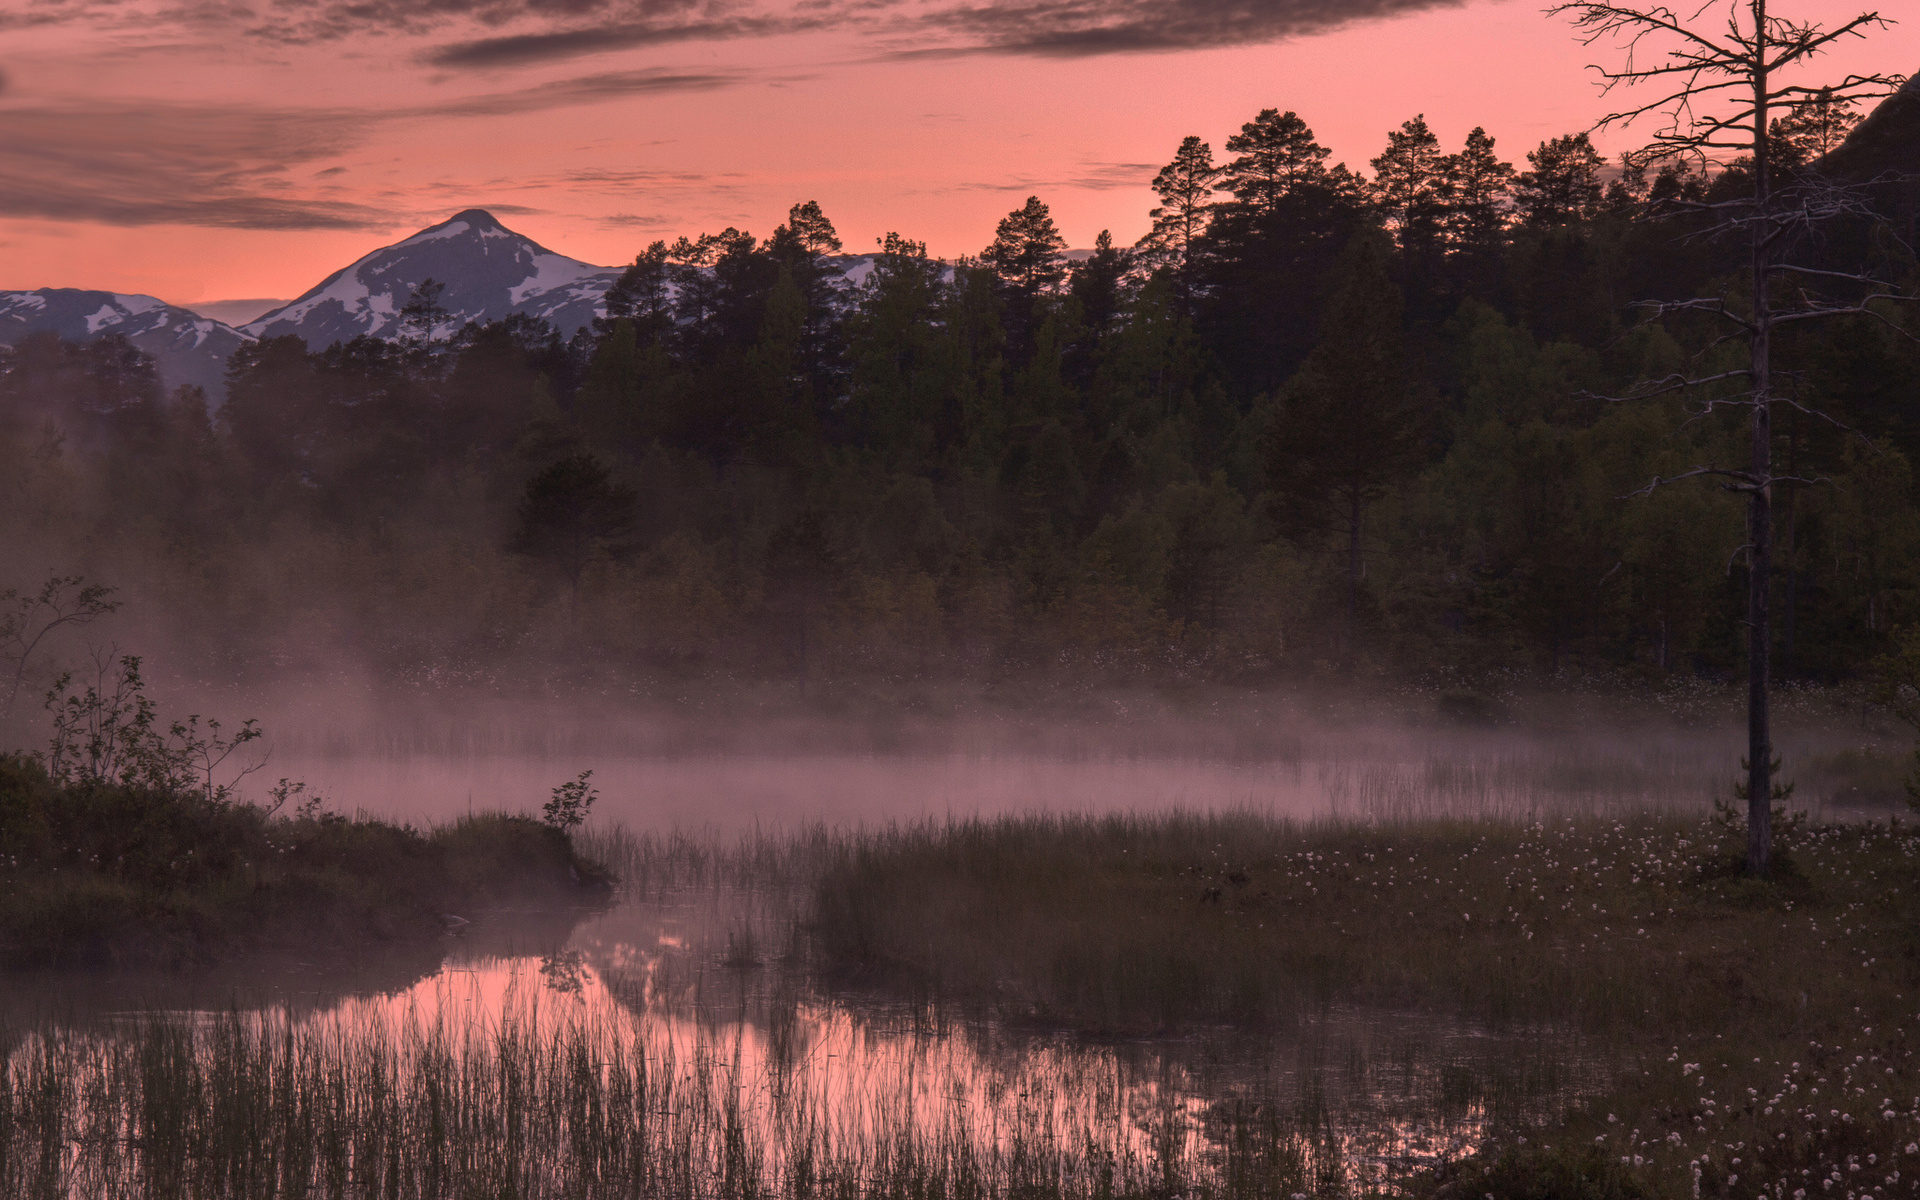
1374, 422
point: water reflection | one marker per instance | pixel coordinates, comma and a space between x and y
570, 1042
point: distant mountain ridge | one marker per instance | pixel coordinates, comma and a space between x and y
488, 270
186, 347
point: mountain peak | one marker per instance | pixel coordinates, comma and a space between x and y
478, 220
488, 270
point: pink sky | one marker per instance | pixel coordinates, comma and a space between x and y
200, 150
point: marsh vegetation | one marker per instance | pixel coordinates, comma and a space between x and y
1192, 1004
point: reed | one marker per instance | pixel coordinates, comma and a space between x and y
586, 1104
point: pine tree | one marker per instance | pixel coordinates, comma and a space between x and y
1026, 252
1027, 262
809, 230
423, 313
800, 247
1185, 187
1816, 126
1277, 155
1408, 185
1476, 185
1564, 186
1268, 250
643, 294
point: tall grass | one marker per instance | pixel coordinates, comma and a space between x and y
1353, 1000
592, 1103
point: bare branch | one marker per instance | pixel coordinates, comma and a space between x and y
1711, 305
1852, 310
1747, 482
1661, 387
1850, 278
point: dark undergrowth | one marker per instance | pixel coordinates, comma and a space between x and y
99, 873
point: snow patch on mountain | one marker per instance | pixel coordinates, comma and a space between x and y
551, 271
489, 272
186, 348
453, 228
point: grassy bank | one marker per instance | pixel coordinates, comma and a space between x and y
1760, 1031
103, 873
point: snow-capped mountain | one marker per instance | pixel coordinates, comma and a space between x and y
185, 346
489, 272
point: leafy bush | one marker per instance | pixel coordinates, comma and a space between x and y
98, 871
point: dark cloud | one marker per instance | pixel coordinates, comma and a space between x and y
1086, 28
3, 81
150, 164
132, 163
522, 48
635, 221
510, 33
1051, 28
587, 89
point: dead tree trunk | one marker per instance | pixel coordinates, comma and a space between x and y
1760, 495
1703, 61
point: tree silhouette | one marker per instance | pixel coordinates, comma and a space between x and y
1475, 186
1564, 185
423, 313
1409, 185
1816, 126
1185, 187
1704, 64
1277, 155
1026, 250
1027, 264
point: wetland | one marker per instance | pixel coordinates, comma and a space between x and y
1437, 960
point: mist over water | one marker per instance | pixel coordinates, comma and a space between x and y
774, 766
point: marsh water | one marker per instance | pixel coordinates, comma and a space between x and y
751, 1066
755, 1074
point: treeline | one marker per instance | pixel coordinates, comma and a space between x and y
1316, 420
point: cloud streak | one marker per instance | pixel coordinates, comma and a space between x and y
520, 49
1092, 176
498, 34
587, 89
155, 164
151, 164
917, 30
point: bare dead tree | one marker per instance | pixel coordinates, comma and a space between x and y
1713, 79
